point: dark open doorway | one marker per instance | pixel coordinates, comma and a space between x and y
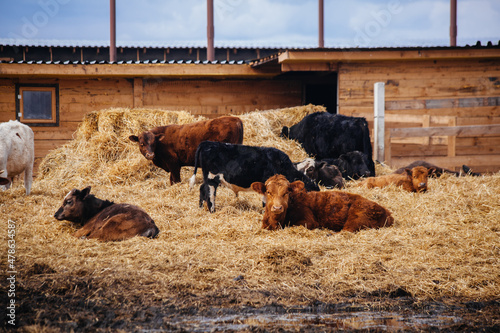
321, 90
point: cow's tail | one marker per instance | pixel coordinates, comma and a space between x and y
196, 162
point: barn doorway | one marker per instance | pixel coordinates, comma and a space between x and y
321, 89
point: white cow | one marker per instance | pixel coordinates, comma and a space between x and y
17, 153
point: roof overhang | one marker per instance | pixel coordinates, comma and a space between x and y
215, 71
328, 60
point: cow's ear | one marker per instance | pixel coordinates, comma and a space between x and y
297, 186
431, 171
259, 187
160, 137
85, 192
134, 138
408, 172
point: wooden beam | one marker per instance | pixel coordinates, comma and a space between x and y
384, 54
446, 103
478, 130
134, 70
449, 161
309, 67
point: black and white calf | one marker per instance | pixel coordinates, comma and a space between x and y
321, 172
238, 166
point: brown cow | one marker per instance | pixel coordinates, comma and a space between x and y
174, 146
103, 219
288, 204
412, 180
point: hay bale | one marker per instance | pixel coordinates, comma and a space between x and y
102, 153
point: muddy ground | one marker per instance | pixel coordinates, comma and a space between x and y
46, 305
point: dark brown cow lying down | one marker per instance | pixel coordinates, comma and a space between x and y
414, 180
288, 204
174, 146
437, 171
103, 219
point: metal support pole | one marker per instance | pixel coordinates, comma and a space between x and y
379, 121
210, 31
112, 35
321, 28
453, 22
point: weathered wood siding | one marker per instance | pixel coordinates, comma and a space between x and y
427, 93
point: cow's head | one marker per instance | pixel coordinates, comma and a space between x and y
73, 207
308, 168
329, 175
147, 143
419, 177
359, 163
208, 191
277, 191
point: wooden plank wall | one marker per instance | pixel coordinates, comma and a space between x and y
212, 98
428, 93
209, 98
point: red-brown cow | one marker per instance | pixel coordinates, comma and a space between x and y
103, 219
412, 180
174, 146
288, 204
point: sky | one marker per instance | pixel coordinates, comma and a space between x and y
249, 23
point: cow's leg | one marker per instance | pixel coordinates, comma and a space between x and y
7, 180
175, 175
28, 178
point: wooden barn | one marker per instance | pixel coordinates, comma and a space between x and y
51, 88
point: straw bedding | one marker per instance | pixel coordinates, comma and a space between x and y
445, 243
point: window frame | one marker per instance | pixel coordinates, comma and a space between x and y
54, 88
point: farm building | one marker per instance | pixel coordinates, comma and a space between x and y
51, 88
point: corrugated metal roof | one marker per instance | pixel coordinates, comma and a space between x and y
155, 61
149, 45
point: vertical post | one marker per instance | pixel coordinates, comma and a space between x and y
379, 125
321, 28
112, 35
210, 30
453, 22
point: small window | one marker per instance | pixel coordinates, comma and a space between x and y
38, 105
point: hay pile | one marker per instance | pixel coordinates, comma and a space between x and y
102, 153
445, 244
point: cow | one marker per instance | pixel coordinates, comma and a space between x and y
437, 171
104, 220
321, 172
353, 165
325, 135
172, 147
238, 166
288, 204
412, 180
17, 153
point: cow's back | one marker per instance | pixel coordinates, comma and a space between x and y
339, 210
183, 140
119, 222
16, 147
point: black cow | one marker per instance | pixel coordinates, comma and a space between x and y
353, 165
238, 166
325, 135
321, 172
